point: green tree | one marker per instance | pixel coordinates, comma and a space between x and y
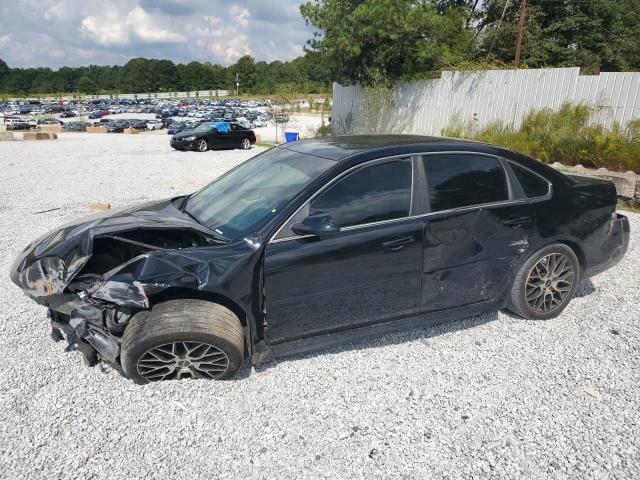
565, 33
247, 73
392, 38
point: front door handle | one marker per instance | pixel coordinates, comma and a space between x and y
518, 222
398, 243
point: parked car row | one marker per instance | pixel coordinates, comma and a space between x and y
192, 107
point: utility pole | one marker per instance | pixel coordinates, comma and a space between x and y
237, 84
523, 7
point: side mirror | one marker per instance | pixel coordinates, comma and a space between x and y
319, 225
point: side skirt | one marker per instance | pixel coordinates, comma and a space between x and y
422, 320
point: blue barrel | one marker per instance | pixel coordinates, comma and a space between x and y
291, 136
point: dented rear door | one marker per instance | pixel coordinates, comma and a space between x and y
469, 255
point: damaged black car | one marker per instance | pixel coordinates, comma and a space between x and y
320, 242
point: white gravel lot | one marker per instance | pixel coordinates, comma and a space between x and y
487, 397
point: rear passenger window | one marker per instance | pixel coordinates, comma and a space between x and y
462, 180
532, 184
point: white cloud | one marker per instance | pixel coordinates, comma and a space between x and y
141, 24
116, 30
107, 31
113, 31
240, 15
55, 12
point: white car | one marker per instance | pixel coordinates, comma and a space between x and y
154, 125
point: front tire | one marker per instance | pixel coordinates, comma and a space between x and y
202, 145
245, 144
182, 339
546, 283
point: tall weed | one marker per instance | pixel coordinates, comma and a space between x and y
564, 136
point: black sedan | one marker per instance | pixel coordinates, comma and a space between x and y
319, 242
209, 135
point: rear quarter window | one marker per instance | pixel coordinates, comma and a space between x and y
533, 184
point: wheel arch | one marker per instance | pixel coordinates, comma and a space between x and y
178, 293
577, 249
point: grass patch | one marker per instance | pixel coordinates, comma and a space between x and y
629, 205
565, 136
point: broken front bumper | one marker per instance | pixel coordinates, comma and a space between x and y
92, 342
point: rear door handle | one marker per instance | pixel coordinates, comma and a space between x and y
518, 222
396, 244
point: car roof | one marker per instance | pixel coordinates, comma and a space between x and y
342, 147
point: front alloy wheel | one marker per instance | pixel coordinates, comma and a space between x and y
201, 145
177, 360
182, 339
245, 144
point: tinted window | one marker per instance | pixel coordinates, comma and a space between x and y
532, 184
463, 180
372, 194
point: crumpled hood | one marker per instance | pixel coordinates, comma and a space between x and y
47, 266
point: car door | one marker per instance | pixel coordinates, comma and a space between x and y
478, 228
368, 272
236, 134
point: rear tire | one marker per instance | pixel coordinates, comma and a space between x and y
546, 283
182, 339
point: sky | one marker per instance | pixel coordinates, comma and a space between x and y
55, 33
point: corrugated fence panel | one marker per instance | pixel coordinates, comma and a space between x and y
505, 96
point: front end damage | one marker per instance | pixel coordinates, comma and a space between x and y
95, 274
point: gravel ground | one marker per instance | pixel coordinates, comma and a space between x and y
489, 396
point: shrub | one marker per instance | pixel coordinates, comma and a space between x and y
564, 136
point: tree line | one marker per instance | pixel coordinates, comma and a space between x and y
142, 75
367, 41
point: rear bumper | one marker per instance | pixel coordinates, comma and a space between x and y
616, 245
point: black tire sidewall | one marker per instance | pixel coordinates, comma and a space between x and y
518, 294
132, 352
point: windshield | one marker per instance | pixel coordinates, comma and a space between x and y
241, 201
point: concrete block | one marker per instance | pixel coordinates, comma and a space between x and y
51, 128
6, 136
99, 206
627, 183
96, 129
35, 136
130, 131
3, 127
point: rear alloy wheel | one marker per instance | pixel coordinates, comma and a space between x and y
546, 283
245, 144
182, 339
202, 145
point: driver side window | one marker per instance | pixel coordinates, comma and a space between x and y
370, 194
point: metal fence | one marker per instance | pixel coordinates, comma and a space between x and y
506, 96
